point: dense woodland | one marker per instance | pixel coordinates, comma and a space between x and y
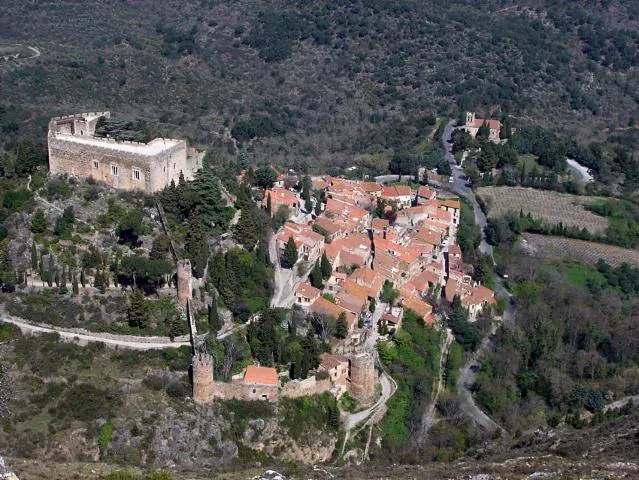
571, 345
311, 82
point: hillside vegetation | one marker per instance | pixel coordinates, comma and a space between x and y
320, 79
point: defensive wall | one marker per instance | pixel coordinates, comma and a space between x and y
206, 389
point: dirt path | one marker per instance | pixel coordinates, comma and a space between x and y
135, 343
428, 419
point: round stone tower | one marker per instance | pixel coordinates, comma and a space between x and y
202, 365
363, 376
184, 286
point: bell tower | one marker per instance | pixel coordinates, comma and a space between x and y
470, 118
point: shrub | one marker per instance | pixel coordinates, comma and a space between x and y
156, 381
176, 389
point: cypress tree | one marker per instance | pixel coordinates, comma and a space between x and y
289, 258
75, 287
196, 246
327, 269
316, 275
83, 279
214, 317
34, 257
341, 327
269, 206
137, 313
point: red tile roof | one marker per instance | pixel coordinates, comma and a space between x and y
307, 290
329, 361
479, 295
395, 191
260, 375
426, 192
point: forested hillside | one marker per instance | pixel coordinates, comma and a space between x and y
323, 79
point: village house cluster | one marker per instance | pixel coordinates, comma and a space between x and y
416, 252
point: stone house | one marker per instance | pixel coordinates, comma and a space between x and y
282, 197
306, 294
401, 194
309, 243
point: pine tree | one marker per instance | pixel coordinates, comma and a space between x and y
211, 206
34, 257
289, 258
327, 269
137, 312
38, 222
214, 317
341, 327
174, 326
316, 276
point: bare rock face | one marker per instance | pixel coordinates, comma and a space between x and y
5, 473
187, 440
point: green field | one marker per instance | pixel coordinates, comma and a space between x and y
528, 161
580, 274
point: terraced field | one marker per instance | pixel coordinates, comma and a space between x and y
561, 248
553, 207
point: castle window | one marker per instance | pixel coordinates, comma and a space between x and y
136, 174
115, 170
95, 164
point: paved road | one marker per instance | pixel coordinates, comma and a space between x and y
284, 279
460, 188
388, 389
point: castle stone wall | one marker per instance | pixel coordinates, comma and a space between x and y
245, 391
184, 286
148, 167
307, 387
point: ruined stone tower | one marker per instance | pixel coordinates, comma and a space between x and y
202, 365
184, 286
363, 376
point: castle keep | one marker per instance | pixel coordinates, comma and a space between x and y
74, 149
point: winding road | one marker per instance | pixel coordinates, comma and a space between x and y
460, 188
467, 375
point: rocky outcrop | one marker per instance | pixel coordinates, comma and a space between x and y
5, 473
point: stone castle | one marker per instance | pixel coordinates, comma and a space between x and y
75, 150
337, 374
